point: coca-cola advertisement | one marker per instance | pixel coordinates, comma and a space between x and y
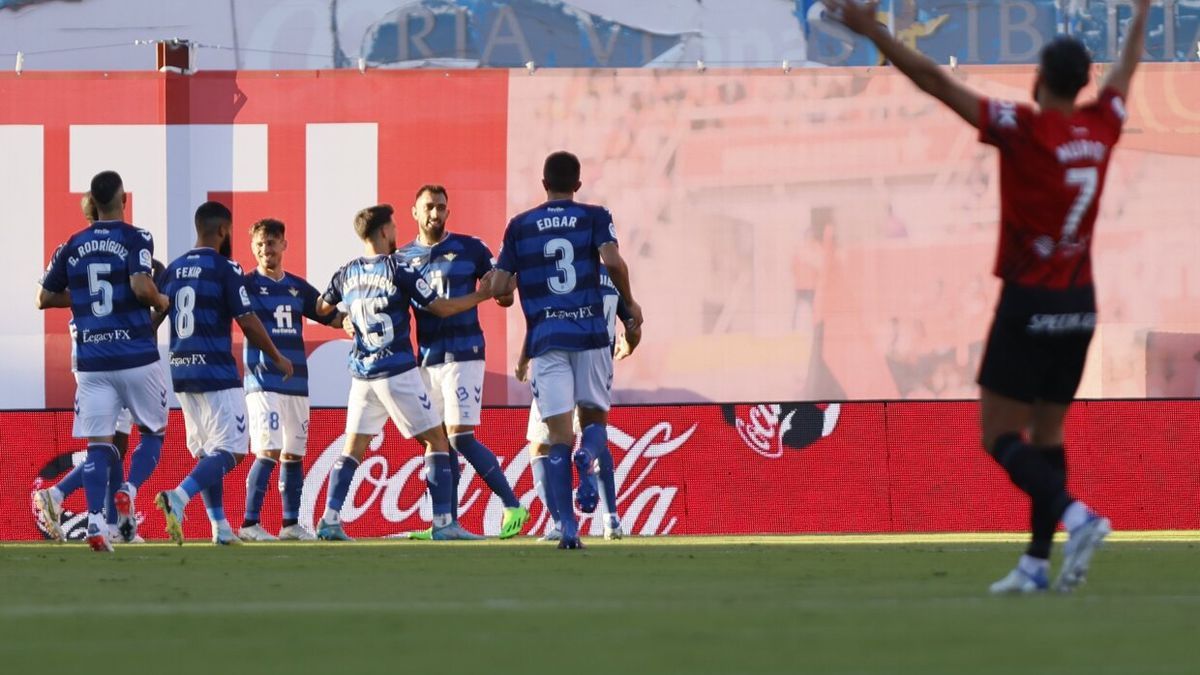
697, 470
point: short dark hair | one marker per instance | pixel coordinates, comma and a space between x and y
561, 171
433, 190
1065, 66
270, 227
88, 206
370, 219
210, 216
104, 188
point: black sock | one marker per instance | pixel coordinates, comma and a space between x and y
1042, 521
249, 523
1034, 474
288, 522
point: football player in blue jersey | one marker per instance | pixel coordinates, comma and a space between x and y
378, 289
538, 434
451, 350
278, 408
104, 274
555, 251
208, 292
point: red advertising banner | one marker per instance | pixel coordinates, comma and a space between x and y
705, 469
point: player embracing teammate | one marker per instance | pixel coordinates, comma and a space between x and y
1053, 162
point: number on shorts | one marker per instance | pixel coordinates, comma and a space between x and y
366, 314
1087, 179
563, 254
273, 420
185, 308
101, 287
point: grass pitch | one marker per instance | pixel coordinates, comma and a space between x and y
674, 605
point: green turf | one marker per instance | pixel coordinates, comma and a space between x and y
623, 608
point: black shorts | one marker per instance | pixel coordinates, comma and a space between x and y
1038, 343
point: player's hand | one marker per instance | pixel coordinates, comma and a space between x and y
635, 314
284, 365
162, 304
522, 371
859, 17
348, 326
485, 284
505, 300
628, 342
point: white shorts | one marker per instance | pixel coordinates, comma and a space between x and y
562, 380
278, 422
401, 397
457, 391
124, 421
100, 396
215, 420
537, 432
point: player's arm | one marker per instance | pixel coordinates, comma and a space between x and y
632, 335
522, 371
145, 290
52, 289
444, 307
618, 271
927, 75
257, 334
1121, 73
318, 310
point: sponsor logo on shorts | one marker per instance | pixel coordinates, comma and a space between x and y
1058, 324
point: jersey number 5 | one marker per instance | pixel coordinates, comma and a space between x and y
563, 255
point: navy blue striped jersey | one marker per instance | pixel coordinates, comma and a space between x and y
554, 250
452, 267
281, 306
614, 306
112, 329
378, 292
207, 293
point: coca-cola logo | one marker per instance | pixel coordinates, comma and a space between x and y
396, 493
769, 428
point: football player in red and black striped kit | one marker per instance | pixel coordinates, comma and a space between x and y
1053, 161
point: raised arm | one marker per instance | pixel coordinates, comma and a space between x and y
927, 75
1121, 73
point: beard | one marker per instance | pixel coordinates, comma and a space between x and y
226, 247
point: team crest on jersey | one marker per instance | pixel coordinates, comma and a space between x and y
423, 287
416, 261
450, 256
145, 259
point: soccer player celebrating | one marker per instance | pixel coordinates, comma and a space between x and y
538, 434
207, 294
278, 407
555, 251
1053, 161
378, 288
451, 350
103, 273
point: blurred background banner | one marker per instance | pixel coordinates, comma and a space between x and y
305, 34
823, 235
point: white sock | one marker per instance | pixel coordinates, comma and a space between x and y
97, 519
442, 519
1031, 566
131, 490
183, 496
332, 517
1075, 515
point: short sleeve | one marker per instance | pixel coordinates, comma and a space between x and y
141, 249
55, 278
1001, 122
237, 299
333, 294
603, 229
415, 285
1111, 108
507, 261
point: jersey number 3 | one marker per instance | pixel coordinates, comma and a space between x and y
563, 255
